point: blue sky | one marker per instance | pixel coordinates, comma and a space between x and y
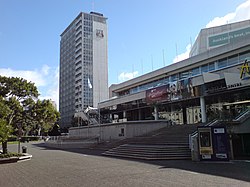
139, 33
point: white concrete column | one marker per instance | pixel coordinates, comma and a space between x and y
203, 110
156, 112
124, 114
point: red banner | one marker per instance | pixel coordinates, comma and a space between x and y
157, 94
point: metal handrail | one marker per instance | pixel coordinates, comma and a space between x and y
242, 115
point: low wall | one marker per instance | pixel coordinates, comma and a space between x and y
65, 142
118, 131
242, 128
69, 145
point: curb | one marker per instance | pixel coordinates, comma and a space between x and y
15, 159
25, 157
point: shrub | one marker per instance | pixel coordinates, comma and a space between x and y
29, 138
9, 154
12, 139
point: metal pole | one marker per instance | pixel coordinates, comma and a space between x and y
19, 145
99, 111
19, 137
99, 120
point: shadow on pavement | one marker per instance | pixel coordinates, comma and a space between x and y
239, 170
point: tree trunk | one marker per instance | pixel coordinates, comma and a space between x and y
4, 146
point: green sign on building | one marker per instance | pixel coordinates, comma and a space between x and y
228, 37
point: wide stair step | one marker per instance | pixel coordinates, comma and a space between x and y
151, 152
164, 144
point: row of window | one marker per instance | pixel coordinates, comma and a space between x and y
78, 22
212, 66
85, 100
78, 29
88, 29
87, 66
88, 23
87, 17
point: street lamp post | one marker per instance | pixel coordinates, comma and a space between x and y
19, 136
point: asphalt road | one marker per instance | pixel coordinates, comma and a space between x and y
50, 167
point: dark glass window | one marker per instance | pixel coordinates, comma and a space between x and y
211, 66
244, 56
174, 78
222, 63
196, 71
204, 68
184, 75
232, 60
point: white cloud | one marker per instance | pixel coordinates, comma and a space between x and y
52, 88
45, 69
46, 79
184, 55
242, 12
33, 76
127, 76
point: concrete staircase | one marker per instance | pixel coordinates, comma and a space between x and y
167, 143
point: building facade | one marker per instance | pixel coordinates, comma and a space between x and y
212, 83
83, 65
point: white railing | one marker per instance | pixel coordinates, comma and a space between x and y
242, 116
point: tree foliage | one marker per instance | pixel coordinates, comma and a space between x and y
21, 110
45, 115
5, 128
16, 92
16, 87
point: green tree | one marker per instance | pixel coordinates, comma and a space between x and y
27, 121
16, 87
25, 112
5, 128
45, 116
16, 92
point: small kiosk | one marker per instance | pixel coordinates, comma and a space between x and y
213, 143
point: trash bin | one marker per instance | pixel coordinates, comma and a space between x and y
24, 149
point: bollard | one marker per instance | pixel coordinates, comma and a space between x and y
24, 149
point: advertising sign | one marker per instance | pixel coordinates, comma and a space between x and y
205, 142
245, 70
220, 144
157, 94
187, 89
225, 38
213, 143
173, 91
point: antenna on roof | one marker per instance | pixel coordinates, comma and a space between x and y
163, 57
152, 62
176, 51
142, 66
133, 70
117, 76
93, 5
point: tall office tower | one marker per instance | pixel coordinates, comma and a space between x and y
83, 65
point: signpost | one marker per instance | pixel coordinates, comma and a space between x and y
20, 132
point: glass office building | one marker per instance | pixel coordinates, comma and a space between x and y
83, 65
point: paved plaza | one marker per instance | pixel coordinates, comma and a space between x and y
78, 167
